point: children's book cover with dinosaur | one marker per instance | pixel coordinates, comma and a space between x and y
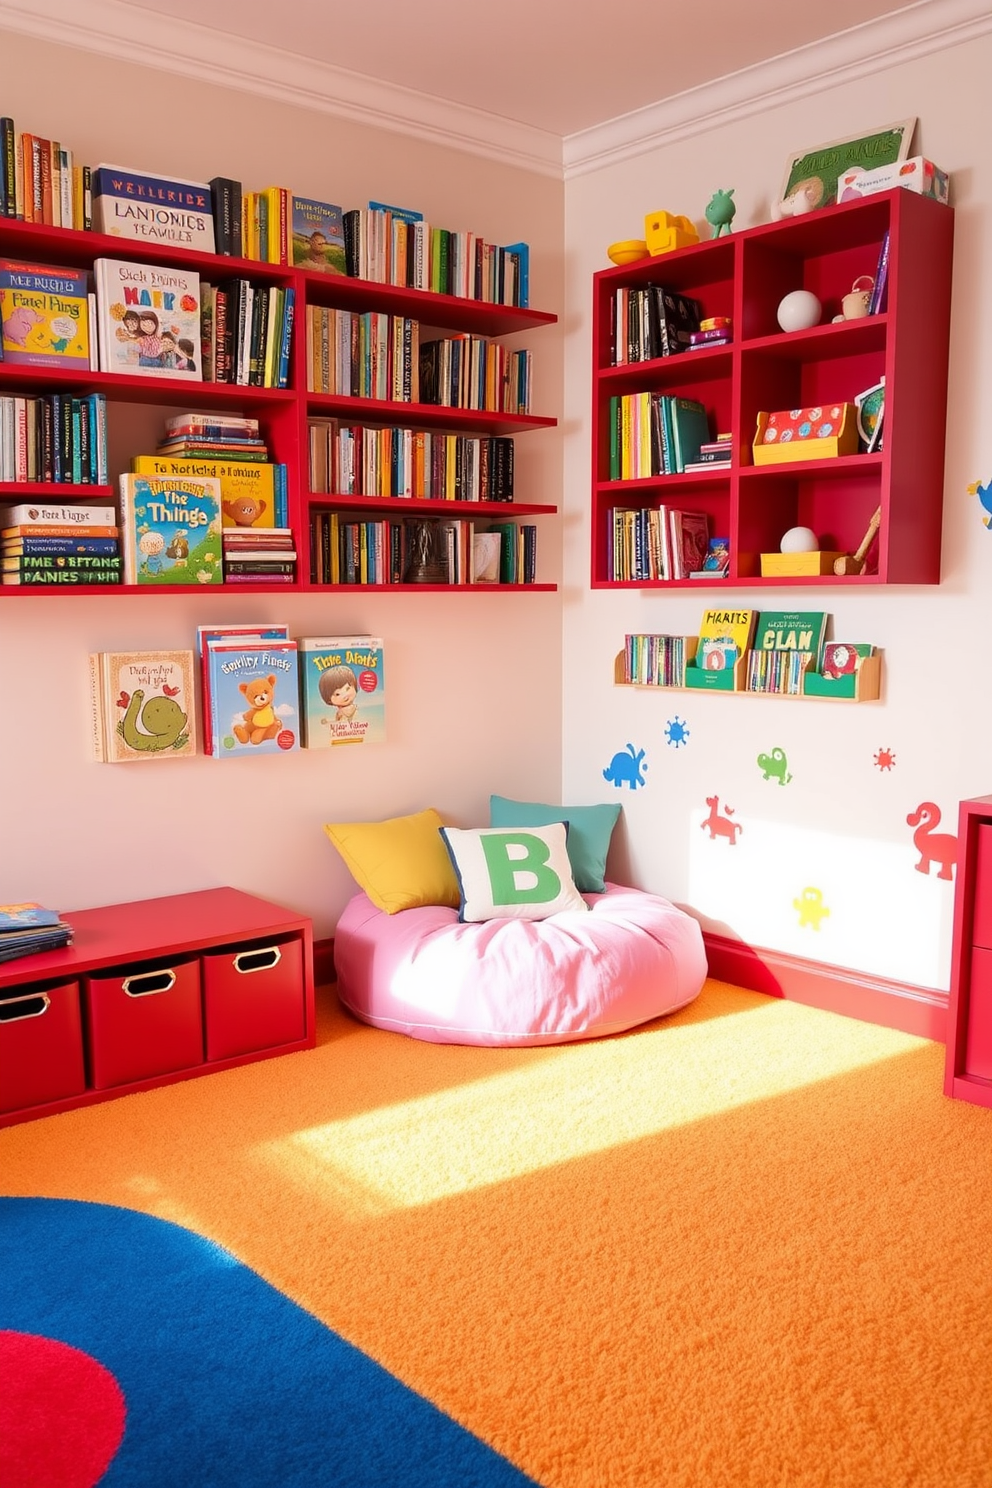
343, 690
171, 530
254, 697
142, 705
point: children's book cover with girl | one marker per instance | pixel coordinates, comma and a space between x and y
148, 319
343, 690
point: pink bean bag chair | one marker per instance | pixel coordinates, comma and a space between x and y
503, 982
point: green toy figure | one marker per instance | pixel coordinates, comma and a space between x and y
720, 211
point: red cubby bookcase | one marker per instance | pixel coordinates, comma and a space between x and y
150, 992
283, 413
744, 276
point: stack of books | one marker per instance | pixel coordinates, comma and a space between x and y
713, 455
716, 330
254, 490
259, 555
59, 543
28, 928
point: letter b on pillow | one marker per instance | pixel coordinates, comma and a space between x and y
518, 871
521, 874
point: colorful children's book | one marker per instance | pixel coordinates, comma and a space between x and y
317, 236
148, 319
724, 636
343, 690
26, 916
44, 315
152, 209
142, 705
237, 634
840, 658
254, 697
247, 488
791, 630
171, 530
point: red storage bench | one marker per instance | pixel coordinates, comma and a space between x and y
41, 1045
143, 1020
253, 997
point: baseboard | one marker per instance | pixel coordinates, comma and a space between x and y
919, 1010
323, 961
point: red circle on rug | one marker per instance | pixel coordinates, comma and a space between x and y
61, 1414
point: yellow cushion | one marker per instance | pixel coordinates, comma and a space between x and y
400, 863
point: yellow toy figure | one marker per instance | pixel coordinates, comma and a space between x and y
663, 232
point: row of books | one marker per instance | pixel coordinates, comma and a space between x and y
26, 929
54, 438
261, 692
246, 333
40, 181
655, 434
652, 321
363, 354
417, 551
472, 372
145, 320
659, 542
778, 650
353, 460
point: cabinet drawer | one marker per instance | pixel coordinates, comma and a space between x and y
981, 929
978, 1041
253, 997
143, 1020
41, 1045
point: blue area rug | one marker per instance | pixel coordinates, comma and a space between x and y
227, 1383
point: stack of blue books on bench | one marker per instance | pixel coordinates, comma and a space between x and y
28, 928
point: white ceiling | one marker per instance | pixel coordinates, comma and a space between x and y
555, 86
558, 65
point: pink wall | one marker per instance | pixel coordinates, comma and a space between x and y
474, 680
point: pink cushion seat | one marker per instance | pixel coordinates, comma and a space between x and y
503, 982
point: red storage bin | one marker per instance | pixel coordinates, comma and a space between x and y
253, 997
41, 1045
143, 1021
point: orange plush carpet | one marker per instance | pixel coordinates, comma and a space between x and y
748, 1245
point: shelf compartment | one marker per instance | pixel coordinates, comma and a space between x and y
447, 312
836, 498
423, 415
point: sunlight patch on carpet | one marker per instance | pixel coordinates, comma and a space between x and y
527, 1119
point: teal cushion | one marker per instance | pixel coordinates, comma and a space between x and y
589, 831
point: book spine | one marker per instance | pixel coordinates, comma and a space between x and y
8, 204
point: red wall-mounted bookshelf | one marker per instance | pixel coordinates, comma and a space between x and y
744, 276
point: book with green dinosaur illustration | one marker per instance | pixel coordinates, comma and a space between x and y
142, 705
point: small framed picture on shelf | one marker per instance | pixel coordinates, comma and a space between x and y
811, 175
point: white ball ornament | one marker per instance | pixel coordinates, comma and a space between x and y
799, 540
799, 310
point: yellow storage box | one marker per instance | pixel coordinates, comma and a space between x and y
806, 434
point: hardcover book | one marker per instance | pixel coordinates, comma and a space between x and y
152, 209
65, 514
724, 636
171, 530
253, 697
44, 316
317, 236
26, 916
342, 690
148, 319
247, 489
142, 705
791, 630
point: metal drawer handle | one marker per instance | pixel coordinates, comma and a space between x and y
42, 1000
246, 961
147, 982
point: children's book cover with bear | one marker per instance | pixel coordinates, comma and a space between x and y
254, 697
343, 690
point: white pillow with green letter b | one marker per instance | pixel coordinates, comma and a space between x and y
517, 873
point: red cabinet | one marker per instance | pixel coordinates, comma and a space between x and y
968, 1067
150, 992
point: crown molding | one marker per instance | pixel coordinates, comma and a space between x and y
130, 33
860, 51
